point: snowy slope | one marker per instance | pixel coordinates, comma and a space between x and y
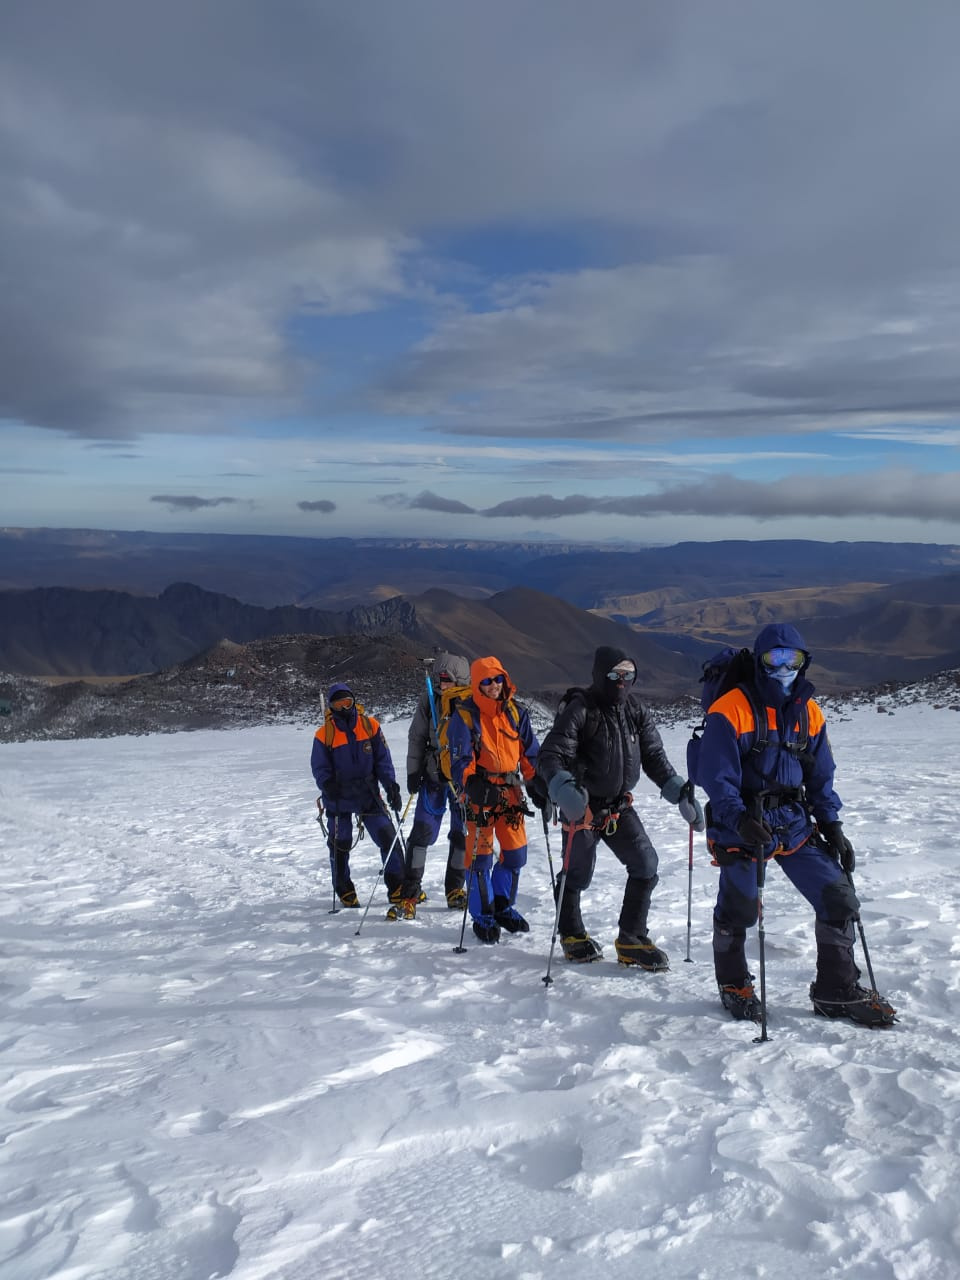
203, 1073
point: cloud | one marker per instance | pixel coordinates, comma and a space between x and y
895, 494
323, 505
187, 502
428, 501
756, 230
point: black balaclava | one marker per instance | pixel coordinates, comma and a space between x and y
609, 691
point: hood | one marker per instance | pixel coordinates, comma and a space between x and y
481, 670
455, 664
333, 692
781, 635
604, 660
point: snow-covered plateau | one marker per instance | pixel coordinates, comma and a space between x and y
206, 1073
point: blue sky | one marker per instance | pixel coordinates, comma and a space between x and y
627, 270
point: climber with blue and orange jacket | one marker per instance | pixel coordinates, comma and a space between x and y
493, 753
350, 762
772, 796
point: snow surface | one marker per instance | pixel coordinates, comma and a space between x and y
204, 1073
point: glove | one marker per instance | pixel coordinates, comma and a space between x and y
570, 799
753, 833
330, 795
689, 807
393, 794
537, 791
838, 846
672, 789
413, 782
481, 793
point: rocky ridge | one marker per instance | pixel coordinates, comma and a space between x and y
281, 679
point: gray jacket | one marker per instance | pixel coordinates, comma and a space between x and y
422, 750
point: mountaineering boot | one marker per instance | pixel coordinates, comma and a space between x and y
486, 929
581, 950
457, 899
348, 896
396, 895
508, 917
405, 909
741, 1003
640, 952
865, 1008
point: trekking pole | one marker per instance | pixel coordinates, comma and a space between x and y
546, 836
386, 859
689, 896
863, 943
561, 885
761, 932
761, 935
460, 948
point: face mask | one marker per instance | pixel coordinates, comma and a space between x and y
783, 677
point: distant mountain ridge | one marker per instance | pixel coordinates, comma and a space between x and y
339, 573
545, 643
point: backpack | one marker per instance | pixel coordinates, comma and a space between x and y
591, 725
329, 728
735, 669
452, 703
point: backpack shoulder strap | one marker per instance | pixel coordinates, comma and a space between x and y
761, 732
591, 724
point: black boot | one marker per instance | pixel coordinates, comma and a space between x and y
507, 916
640, 953
741, 1002
581, 949
865, 1008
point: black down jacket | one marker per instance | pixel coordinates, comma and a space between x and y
607, 762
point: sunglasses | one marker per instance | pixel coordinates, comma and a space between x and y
342, 700
489, 680
792, 659
622, 677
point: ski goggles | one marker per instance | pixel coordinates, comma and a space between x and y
487, 681
623, 677
444, 677
343, 701
792, 659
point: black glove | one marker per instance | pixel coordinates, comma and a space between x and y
537, 791
393, 794
330, 795
754, 834
838, 846
413, 782
481, 793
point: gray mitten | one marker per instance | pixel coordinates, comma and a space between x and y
570, 799
689, 807
672, 789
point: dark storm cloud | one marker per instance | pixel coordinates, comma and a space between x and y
895, 493
188, 502
323, 505
769, 187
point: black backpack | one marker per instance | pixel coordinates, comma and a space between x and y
735, 669
589, 700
